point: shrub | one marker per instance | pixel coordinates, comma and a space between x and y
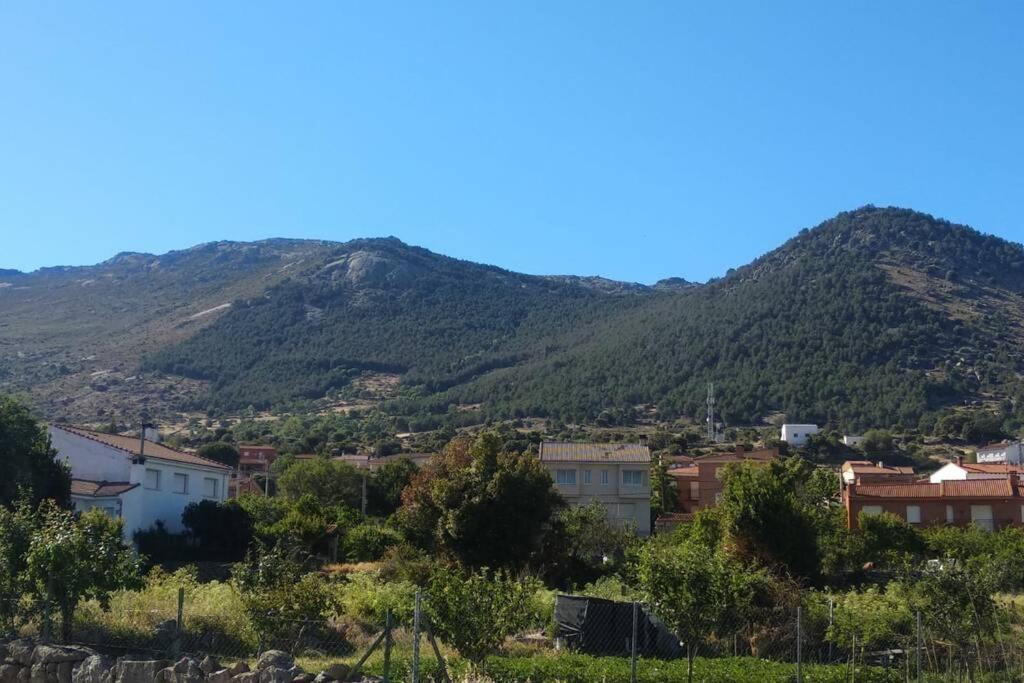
369, 541
475, 612
367, 599
222, 531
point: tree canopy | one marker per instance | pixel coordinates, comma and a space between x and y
30, 462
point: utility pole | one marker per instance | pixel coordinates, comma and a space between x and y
711, 412
364, 492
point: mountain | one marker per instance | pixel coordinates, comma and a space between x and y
876, 317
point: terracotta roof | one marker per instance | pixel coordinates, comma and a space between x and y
130, 445
868, 467
99, 489
993, 468
561, 451
684, 472
256, 447
968, 488
762, 455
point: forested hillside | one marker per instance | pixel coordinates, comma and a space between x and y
876, 317
381, 305
873, 318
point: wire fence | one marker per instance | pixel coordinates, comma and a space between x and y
817, 640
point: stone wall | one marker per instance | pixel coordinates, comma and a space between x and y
31, 661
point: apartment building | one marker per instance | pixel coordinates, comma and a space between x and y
615, 475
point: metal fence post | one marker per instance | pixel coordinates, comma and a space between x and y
918, 646
387, 647
799, 645
416, 641
179, 623
831, 618
632, 654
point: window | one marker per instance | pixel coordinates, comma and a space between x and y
604, 477
565, 477
586, 476
632, 477
871, 510
951, 517
694, 490
982, 516
209, 487
180, 483
152, 480
913, 514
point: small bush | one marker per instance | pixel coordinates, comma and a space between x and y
367, 599
369, 541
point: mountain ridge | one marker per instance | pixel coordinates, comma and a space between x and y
928, 319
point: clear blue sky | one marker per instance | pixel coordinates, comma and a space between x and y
634, 140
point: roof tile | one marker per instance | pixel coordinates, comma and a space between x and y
563, 451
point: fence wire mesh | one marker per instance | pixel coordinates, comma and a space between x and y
818, 640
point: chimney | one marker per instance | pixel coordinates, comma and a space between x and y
739, 449
960, 459
881, 464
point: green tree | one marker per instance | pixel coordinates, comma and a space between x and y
698, 593
766, 518
30, 462
73, 558
17, 525
386, 486
480, 505
221, 452
223, 530
877, 442
475, 612
329, 482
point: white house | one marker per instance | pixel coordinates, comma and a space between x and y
961, 471
796, 435
852, 441
1007, 452
142, 482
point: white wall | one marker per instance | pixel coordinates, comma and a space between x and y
852, 441
164, 503
796, 435
92, 460
1010, 454
948, 472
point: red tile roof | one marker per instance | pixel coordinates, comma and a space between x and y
868, 467
968, 488
562, 451
99, 489
992, 468
130, 445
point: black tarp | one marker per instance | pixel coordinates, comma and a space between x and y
605, 627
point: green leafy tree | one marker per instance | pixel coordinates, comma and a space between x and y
17, 525
767, 518
329, 482
877, 442
221, 452
30, 463
698, 593
480, 505
386, 486
889, 540
222, 530
73, 558
475, 611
